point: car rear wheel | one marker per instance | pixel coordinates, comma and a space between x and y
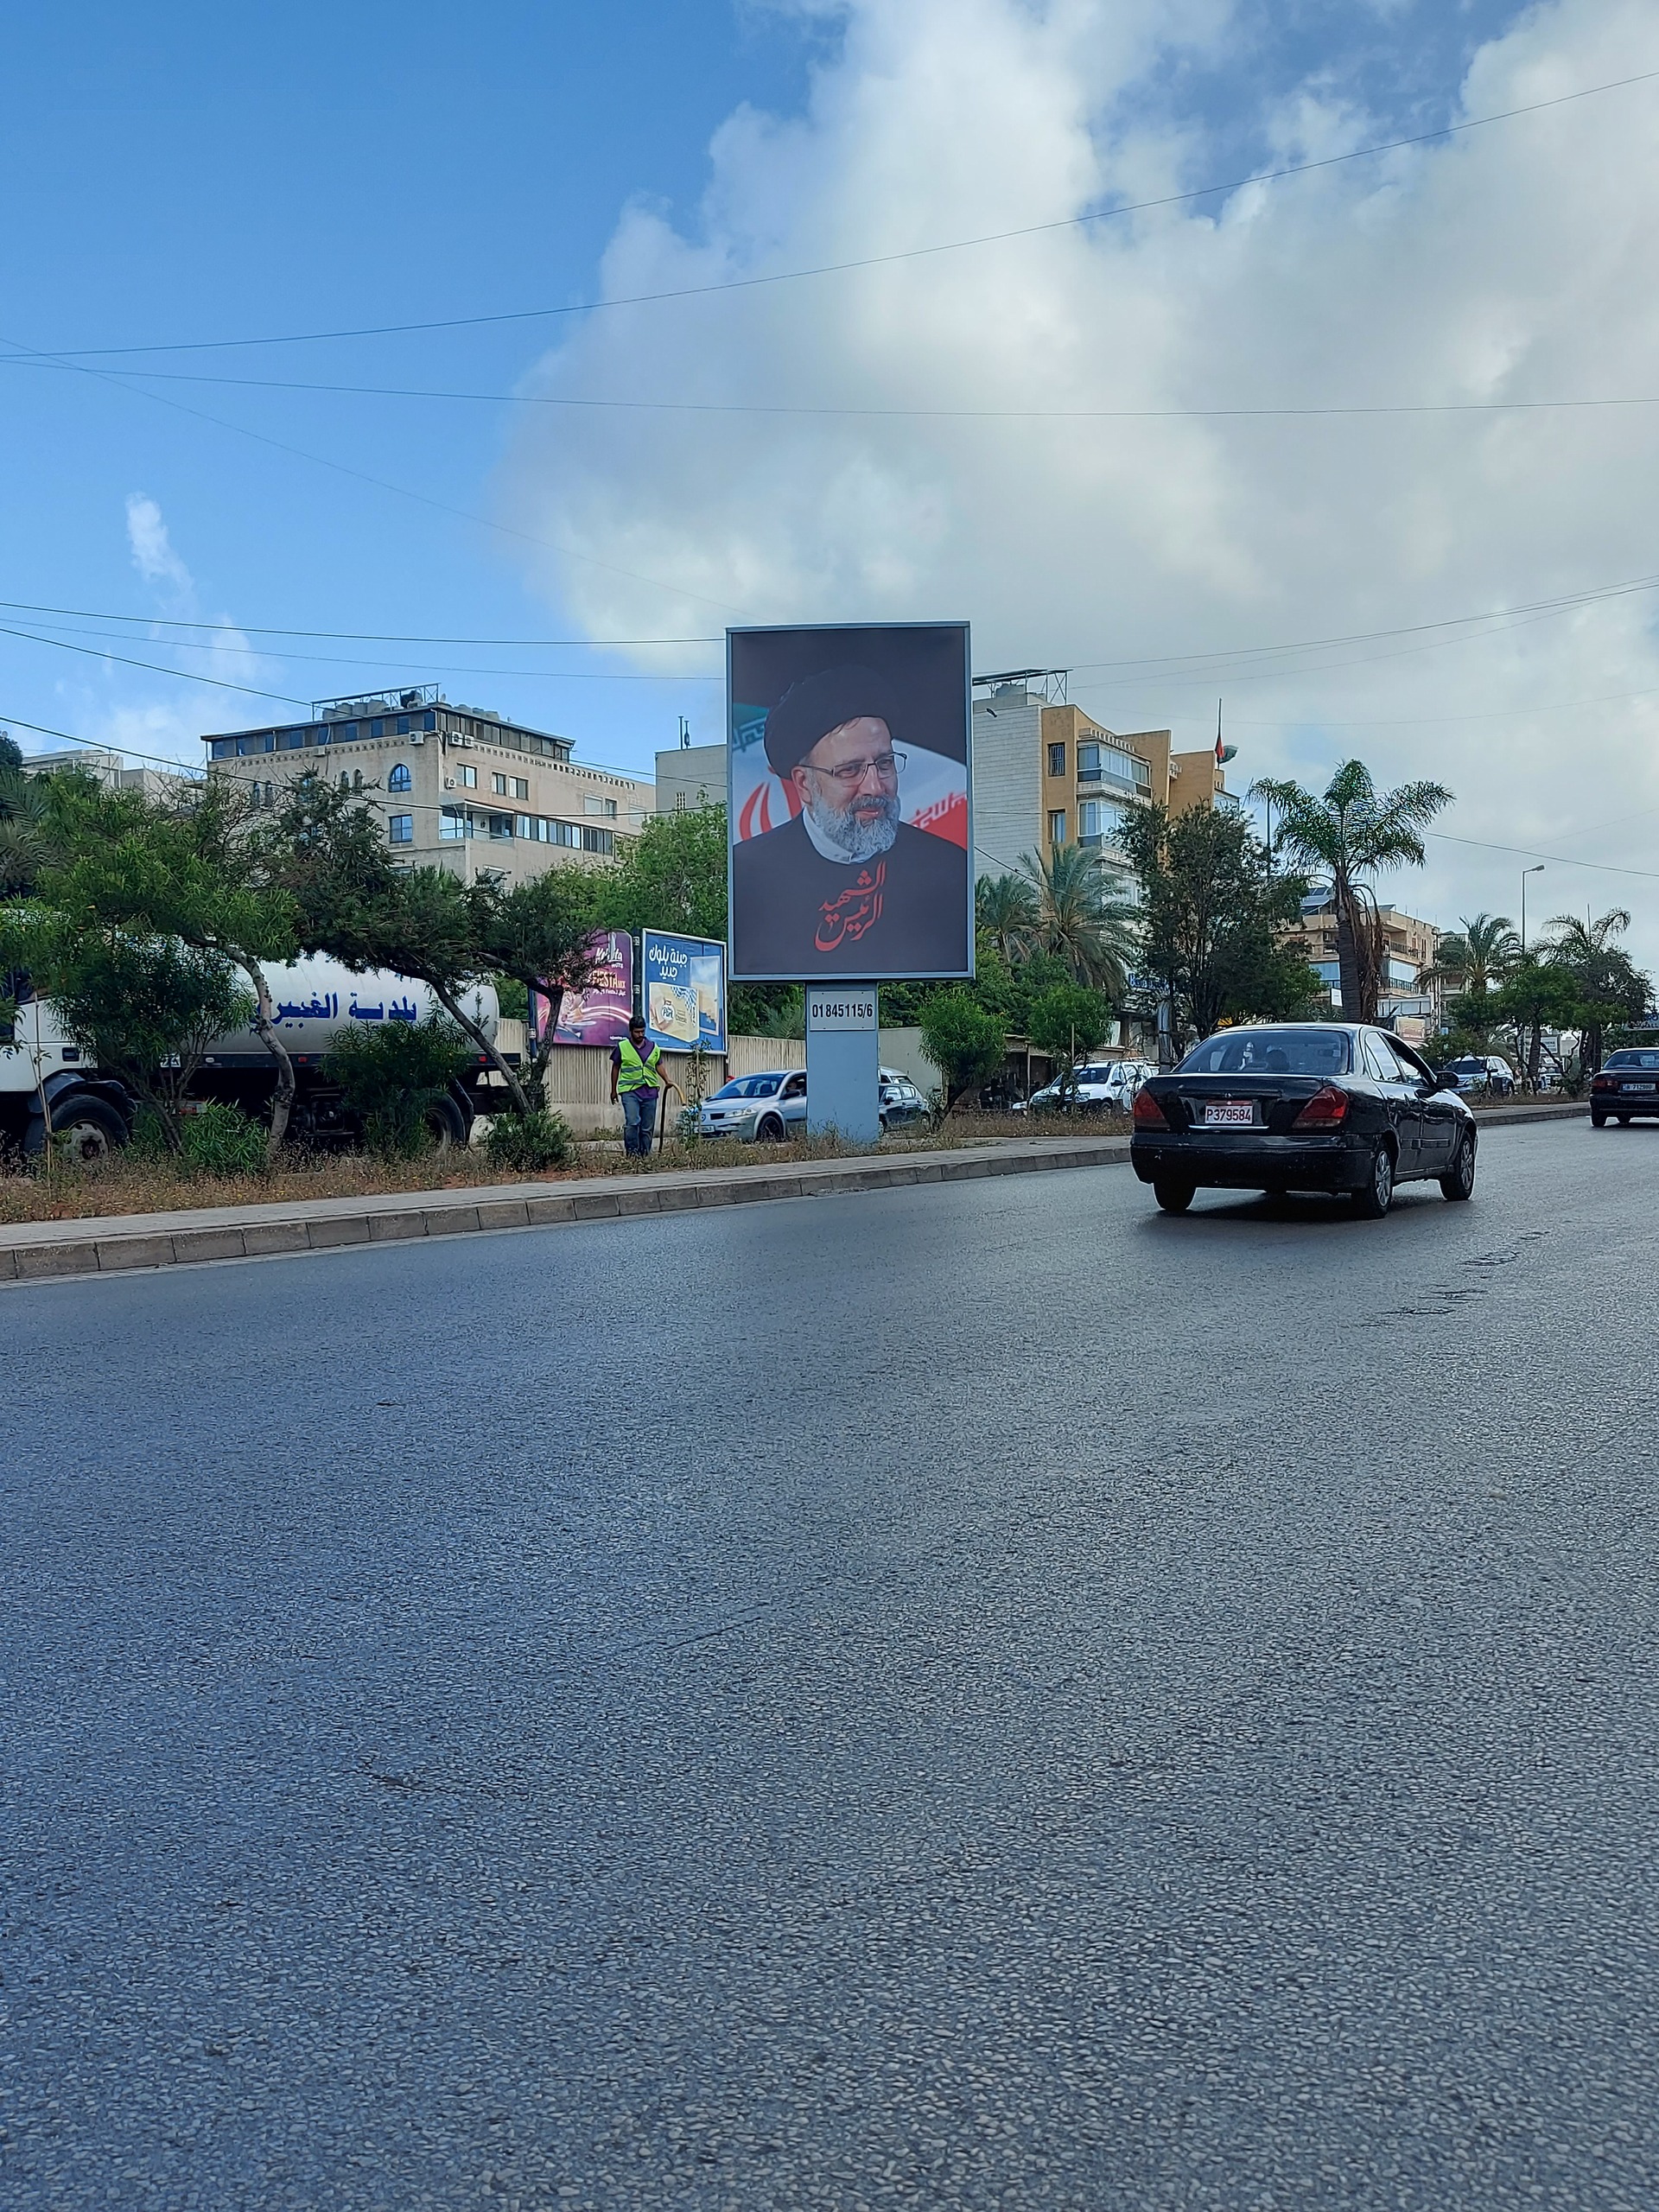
1460, 1182
769, 1130
1623, 1121
1598, 1121
1373, 1199
1173, 1197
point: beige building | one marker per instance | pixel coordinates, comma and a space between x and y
1410, 948
108, 766
1047, 774
460, 787
691, 776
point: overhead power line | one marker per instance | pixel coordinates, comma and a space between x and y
873, 260
861, 414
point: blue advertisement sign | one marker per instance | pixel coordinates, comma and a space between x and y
684, 993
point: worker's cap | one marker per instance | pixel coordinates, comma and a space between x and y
817, 704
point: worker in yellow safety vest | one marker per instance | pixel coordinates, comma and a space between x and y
637, 1079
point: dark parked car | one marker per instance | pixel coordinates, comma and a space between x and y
1303, 1106
1628, 1086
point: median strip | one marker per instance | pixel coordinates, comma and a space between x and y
34, 1251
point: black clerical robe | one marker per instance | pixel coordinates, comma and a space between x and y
796, 914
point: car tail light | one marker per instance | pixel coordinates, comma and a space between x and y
1147, 1113
1603, 1082
1327, 1109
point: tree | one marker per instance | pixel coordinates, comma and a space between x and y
392, 1079
1218, 928
964, 1040
1347, 836
1478, 953
1613, 991
1069, 1023
1538, 995
25, 822
1004, 915
185, 867
1082, 918
351, 900
145, 1007
670, 876
542, 934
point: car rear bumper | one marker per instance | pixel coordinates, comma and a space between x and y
1253, 1162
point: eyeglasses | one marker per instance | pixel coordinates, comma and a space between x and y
886, 767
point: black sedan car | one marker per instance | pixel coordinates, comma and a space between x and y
1302, 1106
1627, 1085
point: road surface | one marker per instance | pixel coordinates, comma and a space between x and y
981, 1696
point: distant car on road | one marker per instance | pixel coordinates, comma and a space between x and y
1302, 1106
1483, 1071
771, 1107
1627, 1085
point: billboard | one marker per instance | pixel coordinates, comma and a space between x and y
849, 803
600, 1014
683, 991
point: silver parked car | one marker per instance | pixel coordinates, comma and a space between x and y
764, 1108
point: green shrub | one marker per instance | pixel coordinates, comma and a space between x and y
219, 1140
964, 1040
392, 1077
528, 1143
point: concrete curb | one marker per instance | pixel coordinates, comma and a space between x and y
115, 1244
1508, 1116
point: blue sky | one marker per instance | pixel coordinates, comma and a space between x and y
185, 173
189, 172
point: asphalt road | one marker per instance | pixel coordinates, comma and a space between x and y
977, 1696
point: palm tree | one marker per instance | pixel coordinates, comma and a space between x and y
1082, 918
1478, 953
1611, 987
23, 824
1346, 836
1005, 910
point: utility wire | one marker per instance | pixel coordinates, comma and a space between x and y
902, 414
874, 260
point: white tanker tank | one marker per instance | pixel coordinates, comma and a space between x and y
316, 1001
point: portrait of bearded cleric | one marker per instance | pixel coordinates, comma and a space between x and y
849, 804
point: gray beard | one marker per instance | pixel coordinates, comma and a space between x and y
859, 841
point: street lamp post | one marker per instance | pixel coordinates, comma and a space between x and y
1525, 873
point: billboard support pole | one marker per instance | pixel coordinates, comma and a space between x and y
843, 1059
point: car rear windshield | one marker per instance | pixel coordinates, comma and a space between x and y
750, 1086
1646, 1062
1270, 1052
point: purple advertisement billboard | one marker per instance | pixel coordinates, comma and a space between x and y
849, 803
598, 1015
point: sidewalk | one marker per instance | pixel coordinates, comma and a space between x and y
116, 1243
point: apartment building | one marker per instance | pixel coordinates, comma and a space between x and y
691, 776
1411, 948
460, 787
108, 767
1047, 774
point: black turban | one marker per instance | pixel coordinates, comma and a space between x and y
817, 704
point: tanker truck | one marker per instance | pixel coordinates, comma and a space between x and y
43, 1070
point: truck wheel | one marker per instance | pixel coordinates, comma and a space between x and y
89, 1130
447, 1126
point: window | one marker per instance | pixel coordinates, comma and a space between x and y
499, 785
429, 720
289, 741
599, 806
1057, 759
598, 841
524, 825
400, 829
468, 779
453, 823
1245, 1052
347, 733
377, 730
1098, 817
400, 779
521, 787
795, 1087
1380, 1062
1056, 827
403, 725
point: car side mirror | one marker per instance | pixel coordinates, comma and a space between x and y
1444, 1080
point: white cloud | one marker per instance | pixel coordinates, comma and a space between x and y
152, 550
1514, 262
